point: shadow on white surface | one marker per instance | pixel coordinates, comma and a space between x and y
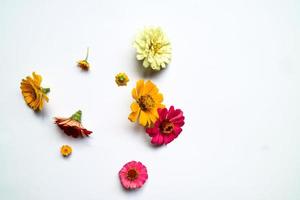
43, 114
147, 72
130, 192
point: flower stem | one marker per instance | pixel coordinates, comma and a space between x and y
87, 53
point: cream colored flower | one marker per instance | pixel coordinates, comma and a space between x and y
153, 48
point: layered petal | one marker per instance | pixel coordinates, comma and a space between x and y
34, 95
133, 175
153, 48
72, 126
167, 127
147, 100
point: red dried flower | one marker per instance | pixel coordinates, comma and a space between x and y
72, 126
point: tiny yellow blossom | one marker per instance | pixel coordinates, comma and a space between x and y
84, 64
153, 48
121, 79
65, 150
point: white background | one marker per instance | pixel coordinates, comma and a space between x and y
235, 74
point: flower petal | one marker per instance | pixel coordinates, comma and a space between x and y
143, 118
157, 140
134, 107
139, 87
133, 116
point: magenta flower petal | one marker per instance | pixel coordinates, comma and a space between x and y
162, 112
167, 127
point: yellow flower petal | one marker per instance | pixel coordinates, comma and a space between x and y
134, 107
139, 87
143, 118
150, 88
134, 94
158, 98
133, 116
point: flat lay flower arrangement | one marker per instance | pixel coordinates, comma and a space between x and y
163, 124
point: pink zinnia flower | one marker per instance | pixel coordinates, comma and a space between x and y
133, 175
167, 127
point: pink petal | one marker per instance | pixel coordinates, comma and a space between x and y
169, 138
125, 183
175, 114
177, 130
157, 140
143, 177
179, 122
152, 131
170, 112
133, 185
162, 112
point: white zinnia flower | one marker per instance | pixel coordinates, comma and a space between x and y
153, 47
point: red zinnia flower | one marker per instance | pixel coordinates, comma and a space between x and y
72, 125
167, 127
133, 175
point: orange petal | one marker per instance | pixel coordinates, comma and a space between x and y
153, 116
150, 88
134, 107
133, 116
134, 94
158, 98
37, 78
139, 87
143, 118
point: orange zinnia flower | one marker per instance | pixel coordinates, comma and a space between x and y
34, 95
147, 101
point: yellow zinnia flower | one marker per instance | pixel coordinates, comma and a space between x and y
84, 64
147, 101
66, 150
121, 79
153, 47
34, 95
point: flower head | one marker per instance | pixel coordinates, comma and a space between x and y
34, 95
72, 125
167, 127
153, 47
147, 100
121, 79
84, 64
133, 175
65, 150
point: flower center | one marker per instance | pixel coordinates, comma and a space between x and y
155, 46
166, 127
121, 78
132, 174
146, 102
